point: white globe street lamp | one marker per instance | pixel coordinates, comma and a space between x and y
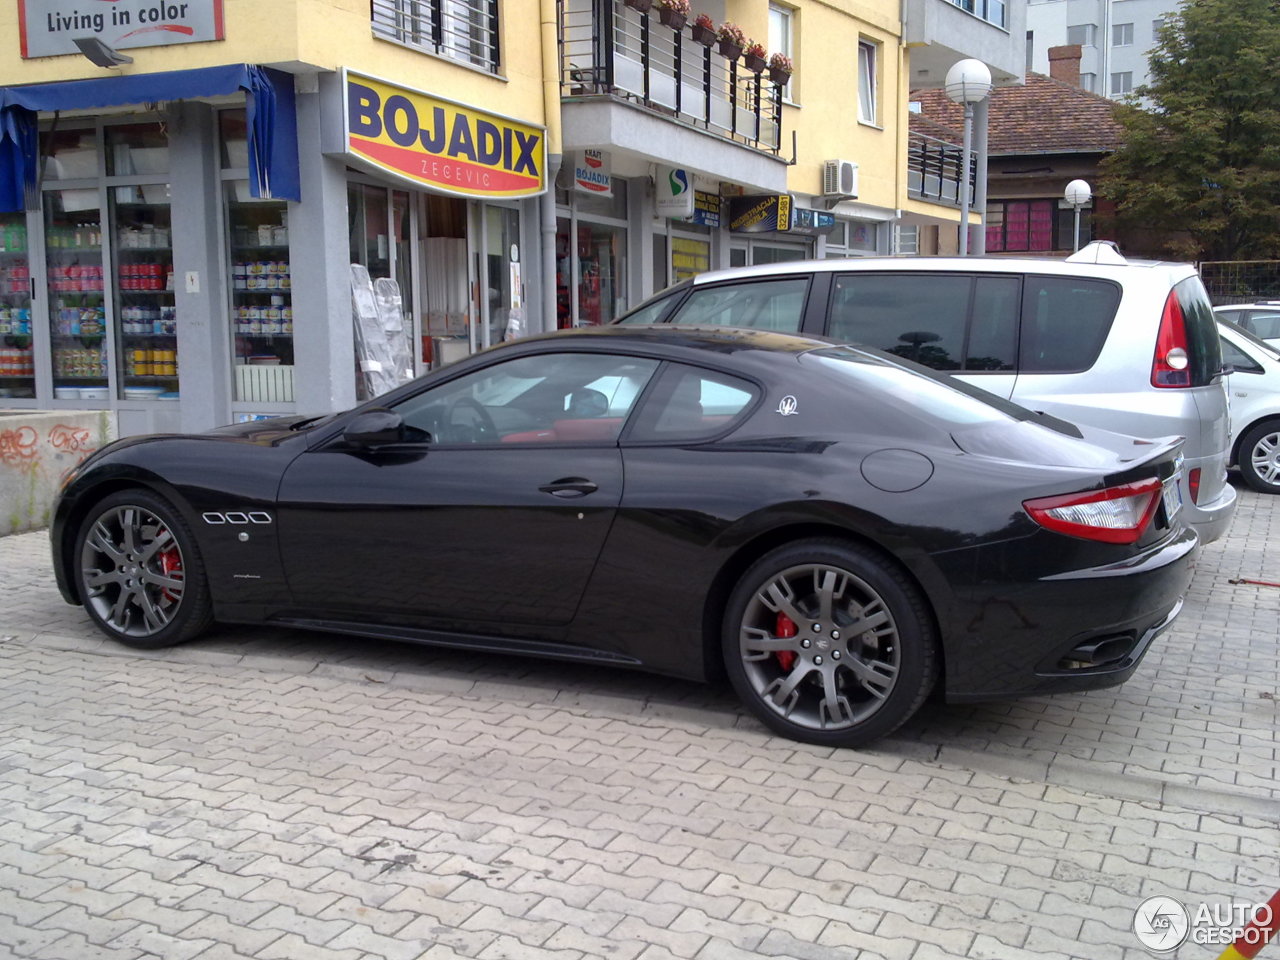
1077, 194
968, 82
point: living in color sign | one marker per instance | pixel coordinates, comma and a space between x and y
440, 144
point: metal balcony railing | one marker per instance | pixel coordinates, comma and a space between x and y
933, 169
608, 49
465, 30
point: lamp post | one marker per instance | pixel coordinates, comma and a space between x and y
967, 83
1077, 194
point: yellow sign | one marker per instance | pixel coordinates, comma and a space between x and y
440, 144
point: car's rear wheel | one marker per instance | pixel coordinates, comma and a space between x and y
829, 643
1260, 457
139, 571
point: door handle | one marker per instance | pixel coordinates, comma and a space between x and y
569, 487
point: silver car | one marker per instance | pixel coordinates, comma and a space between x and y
1129, 346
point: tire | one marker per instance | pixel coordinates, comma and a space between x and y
1259, 457
139, 572
827, 681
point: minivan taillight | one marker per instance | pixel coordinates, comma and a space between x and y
1171, 366
1193, 484
1117, 514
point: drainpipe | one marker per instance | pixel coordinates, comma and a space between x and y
551, 111
981, 111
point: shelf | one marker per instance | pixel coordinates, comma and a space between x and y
148, 336
130, 293
72, 250
261, 246
278, 291
123, 250
263, 336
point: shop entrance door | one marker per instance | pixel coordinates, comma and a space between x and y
501, 269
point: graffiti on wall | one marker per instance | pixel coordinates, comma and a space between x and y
18, 448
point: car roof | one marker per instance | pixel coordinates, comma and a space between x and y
713, 339
1042, 265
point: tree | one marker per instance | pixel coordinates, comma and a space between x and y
1200, 161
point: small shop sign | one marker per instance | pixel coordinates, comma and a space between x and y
706, 208
674, 193
591, 173
445, 146
49, 28
776, 213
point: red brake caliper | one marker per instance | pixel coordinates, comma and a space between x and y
170, 563
785, 627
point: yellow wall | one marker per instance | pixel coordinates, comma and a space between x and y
318, 34
825, 87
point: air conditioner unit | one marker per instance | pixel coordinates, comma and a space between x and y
840, 179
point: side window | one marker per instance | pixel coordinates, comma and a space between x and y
547, 398
689, 403
1264, 325
1065, 321
765, 304
993, 325
1242, 362
650, 312
921, 317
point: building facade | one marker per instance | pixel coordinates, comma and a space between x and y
1115, 36
185, 187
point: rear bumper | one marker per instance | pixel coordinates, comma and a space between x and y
1209, 520
1028, 641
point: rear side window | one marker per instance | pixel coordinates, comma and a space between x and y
944, 321
774, 305
1203, 342
1265, 325
1065, 322
1242, 362
689, 403
650, 312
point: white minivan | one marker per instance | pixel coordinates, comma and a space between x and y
1129, 346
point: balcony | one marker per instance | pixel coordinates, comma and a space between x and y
463, 30
933, 170
937, 33
612, 51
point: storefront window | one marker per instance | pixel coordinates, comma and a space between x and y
77, 315
689, 257
17, 364
146, 317
233, 130
601, 273
70, 154
261, 302
137, 149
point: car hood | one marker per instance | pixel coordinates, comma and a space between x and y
259, 431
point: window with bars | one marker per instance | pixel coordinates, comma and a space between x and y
464, 30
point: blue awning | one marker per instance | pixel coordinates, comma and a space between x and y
269, 102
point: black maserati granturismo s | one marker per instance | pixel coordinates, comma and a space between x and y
836, 529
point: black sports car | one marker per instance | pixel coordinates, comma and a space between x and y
835, 528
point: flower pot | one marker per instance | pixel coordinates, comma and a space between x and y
640, 5
704, 35
672, 18
730, 50
779, 76
755, 64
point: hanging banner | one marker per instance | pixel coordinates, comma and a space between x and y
445, 146
591, 173
674, 193
706, 208
48, 28
769, 214
811, 222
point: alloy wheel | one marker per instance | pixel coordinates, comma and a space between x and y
132, 572
820, 647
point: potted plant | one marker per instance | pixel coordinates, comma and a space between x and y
732, 40
673, 13
704, 30
754, 57
641, 5
780, 69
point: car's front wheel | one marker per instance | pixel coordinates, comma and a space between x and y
139, 571
1260, 457
829, 643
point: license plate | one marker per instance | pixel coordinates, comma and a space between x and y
1172, 498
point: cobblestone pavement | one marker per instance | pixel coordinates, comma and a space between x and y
275, 794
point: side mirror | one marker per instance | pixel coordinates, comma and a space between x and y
380, 427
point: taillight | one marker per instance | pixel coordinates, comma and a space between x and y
1193, 484
1115, 515
1171, 366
